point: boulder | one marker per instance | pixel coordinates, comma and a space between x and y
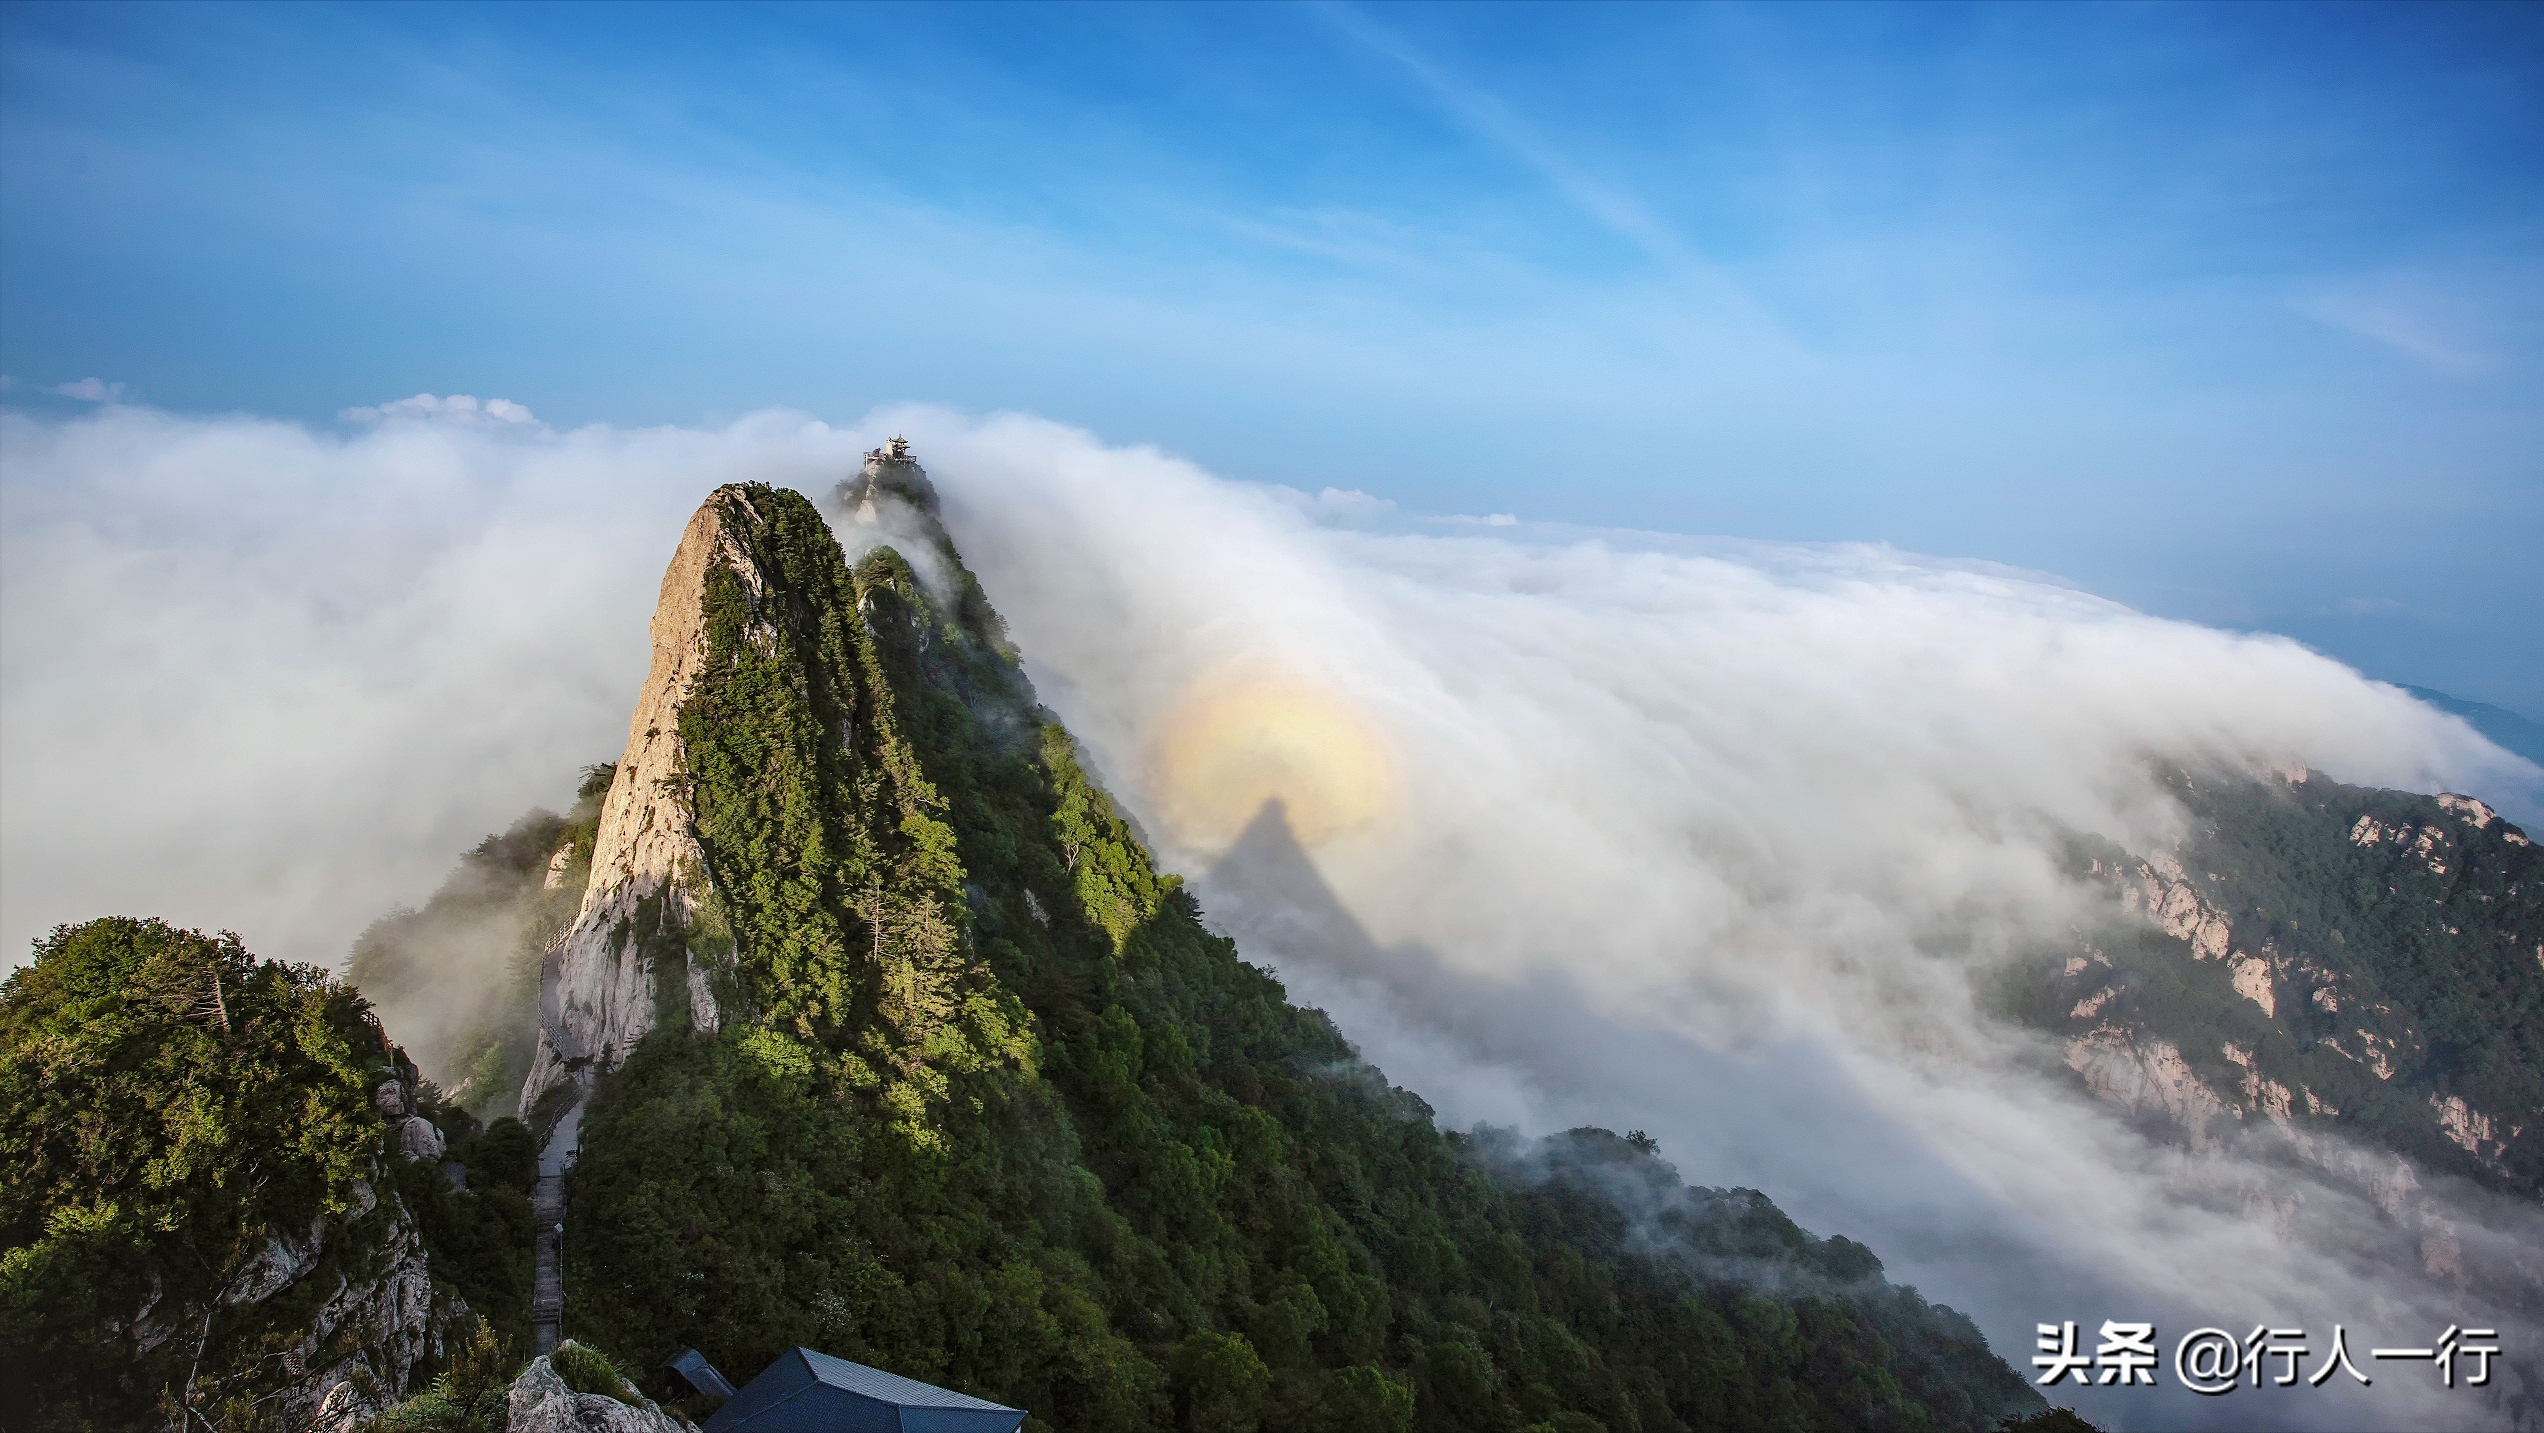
419, 1139
541, 1403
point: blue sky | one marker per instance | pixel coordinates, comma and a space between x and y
2234, 313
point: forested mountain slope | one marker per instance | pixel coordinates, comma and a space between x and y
2342, 987
228, 1201
2322, 956
941, 1074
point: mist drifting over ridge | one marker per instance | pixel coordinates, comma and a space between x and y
1710, 838
1721, 840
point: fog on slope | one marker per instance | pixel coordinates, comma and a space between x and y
1707, 838
1714, 839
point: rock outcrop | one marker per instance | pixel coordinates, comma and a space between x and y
2333, 987
2326, 958
541, 1403
599, 982
419, 1139
378, 1321
2148, 1078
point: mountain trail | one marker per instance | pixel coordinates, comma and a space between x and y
547, 1204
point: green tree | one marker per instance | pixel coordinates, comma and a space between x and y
1363, 1399
168, 1103
1219, 1383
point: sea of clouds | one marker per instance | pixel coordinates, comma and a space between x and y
1707, 838
1715, 839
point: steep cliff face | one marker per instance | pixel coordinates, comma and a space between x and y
625, 959
980, 1099
378, 1324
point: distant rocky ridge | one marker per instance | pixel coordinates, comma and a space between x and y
2510, 730
2320, 955
2341, 981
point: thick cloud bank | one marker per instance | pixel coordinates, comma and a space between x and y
1707, 838
272, 679
1714, 839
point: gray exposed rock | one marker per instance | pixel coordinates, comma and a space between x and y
420, 1140
343, 1409
558, 865
285, 1259
376, 1326
541, 1403
597, 983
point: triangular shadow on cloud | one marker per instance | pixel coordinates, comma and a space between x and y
1536, 1052
1268, 893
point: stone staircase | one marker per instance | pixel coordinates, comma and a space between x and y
547, 1297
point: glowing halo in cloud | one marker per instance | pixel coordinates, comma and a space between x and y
1236, 742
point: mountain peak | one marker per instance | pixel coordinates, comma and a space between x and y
598, 987
890, 471
770, 848
989, 1106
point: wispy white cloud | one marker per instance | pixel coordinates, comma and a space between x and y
1483, 113
2418, 325
90, 390
1342, 507
301, 670
457, 408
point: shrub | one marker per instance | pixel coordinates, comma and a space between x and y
469, 1397
588, 1370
